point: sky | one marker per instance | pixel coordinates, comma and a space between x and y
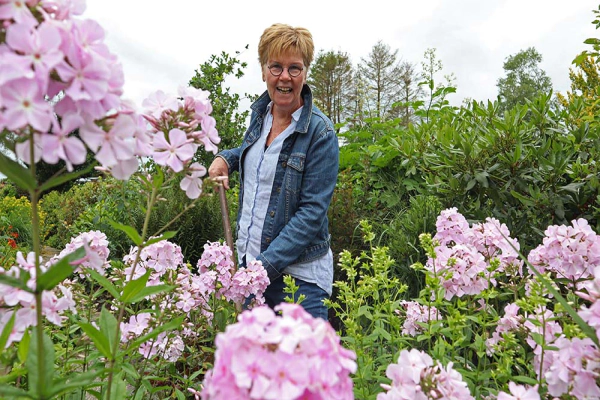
161, 44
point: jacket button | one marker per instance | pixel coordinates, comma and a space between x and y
284, 164
272, 213
268, 240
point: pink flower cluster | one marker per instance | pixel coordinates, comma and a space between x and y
415, 377
415, 315
469, 258
570, 252
292, 356
520, 392
176, 121
97, 252
22, 303
216, 263
159, 258
573, 368
46, 53
510, 322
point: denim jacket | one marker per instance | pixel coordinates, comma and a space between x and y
296, 226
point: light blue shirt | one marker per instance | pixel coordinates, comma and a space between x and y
259, 173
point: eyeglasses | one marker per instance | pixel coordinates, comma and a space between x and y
277, 70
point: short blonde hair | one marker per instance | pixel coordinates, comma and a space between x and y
281, 39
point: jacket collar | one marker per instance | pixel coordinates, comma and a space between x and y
260, 106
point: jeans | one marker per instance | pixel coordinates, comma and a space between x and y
312, 303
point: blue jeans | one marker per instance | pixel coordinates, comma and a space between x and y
312, 303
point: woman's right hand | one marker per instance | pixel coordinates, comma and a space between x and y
219, 171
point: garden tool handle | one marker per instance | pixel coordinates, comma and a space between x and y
226, 223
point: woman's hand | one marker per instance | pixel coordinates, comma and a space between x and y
219, 171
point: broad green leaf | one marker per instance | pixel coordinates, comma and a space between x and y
40, 379
16, 173
118, 389
134, 287
165, 236
179, 394
105, 283
108, 327
23, 350
98, 338
150, 290
70, 176
129, 230
7, 330
60, 270
11, 392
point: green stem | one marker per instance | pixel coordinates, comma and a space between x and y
35, 222
150, 204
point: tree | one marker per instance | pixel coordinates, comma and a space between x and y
585, 81
331, 78
231, 124
409, 92
381, 72
524, 79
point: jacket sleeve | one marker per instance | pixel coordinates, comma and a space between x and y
232, 158
318, 183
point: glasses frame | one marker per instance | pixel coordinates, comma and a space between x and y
284, 68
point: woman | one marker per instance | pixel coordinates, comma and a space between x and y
288, 165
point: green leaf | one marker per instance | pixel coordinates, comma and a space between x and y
70, 176
17, 173
14, 282
523, 379
129, 230
118, 390
150, 290
7, 330
108, 327
59, 271
179, 394
11, 392
36, 381
174, 324
105, 283
165, 236
100, 341
134, 287
76, 380
23, 350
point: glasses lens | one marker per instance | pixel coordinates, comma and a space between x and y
276, 70
294, 71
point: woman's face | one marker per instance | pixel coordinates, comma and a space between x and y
285, 90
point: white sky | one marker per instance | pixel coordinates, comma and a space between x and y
162, 43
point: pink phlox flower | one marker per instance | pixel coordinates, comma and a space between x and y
192, 182
158, 102
13, 66
143, 138
51, 308
39, 46
452, 227
97, 251
118, 144
12, 296
25, 105
86, 76
63, 9
18, 330
23, 149
186, 302
520, 392
199, 98
17, 10
175, 152
416, 314
61, 145
208, 136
